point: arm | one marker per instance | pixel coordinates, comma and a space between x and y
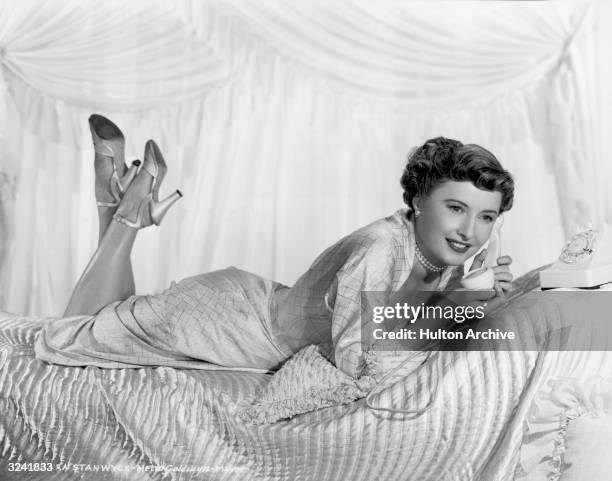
373, 267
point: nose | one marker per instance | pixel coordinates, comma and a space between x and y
467, 227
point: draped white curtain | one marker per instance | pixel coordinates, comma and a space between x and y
286, 124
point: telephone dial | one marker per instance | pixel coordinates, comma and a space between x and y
585, 261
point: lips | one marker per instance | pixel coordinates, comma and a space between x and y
458, 246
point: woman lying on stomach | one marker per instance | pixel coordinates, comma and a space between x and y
232, 319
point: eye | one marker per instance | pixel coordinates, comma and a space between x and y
455, 208
488, 218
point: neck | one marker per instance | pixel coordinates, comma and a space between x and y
426, 263
427, 277
429, 271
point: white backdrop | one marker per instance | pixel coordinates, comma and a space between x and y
287, 124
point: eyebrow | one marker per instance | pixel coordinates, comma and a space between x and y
467, 206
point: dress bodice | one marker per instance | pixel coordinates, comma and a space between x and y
325, 302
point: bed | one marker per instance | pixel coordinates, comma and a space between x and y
495, 415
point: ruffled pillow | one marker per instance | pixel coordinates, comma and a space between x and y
306, 382
310, 381
568, 431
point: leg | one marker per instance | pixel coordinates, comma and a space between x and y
105, 209
108, 277
125, 270
112, 175
105, 212
105, 216
112, 179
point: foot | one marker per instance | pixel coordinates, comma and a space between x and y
112, 175
109, 163
134, 204
140, 206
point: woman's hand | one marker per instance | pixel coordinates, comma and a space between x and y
489, 300
503, 276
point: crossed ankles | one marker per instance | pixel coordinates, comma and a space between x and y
127, 195
141, 207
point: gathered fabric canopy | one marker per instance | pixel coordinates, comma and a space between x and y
286, 124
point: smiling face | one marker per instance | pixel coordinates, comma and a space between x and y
455, 220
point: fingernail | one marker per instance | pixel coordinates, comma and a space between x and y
136, 163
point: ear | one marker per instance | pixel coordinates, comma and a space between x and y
416, 203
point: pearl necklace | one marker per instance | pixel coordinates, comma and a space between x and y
427, 264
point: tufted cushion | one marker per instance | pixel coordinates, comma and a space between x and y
306, 382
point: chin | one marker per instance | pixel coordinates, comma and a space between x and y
451, 258
456, 261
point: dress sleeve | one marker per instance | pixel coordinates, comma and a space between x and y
372, 267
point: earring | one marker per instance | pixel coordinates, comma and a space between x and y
417, 212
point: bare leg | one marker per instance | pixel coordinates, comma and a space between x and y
105, 217
108, 277
105, 213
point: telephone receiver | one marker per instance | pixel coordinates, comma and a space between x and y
494, 245
585, 261
484, 277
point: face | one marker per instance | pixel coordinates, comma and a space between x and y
456, 219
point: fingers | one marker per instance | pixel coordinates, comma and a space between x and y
504, 261
504, 276
499, 291
500, 269
478, 260
503, 279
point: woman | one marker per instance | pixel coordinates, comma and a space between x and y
237, 320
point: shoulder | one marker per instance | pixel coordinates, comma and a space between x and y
390, 232
382, 240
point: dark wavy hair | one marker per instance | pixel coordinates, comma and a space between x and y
441, 159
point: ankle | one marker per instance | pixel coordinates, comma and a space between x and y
105, 217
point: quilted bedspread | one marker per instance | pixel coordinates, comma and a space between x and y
164, 423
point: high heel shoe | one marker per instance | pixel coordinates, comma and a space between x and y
150, 210
115, 177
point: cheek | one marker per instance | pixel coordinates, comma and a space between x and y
482, 234
438, 227
447, 222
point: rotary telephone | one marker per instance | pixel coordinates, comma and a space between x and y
585, 261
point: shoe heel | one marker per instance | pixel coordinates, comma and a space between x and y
159, 209
155, 165
129, 176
